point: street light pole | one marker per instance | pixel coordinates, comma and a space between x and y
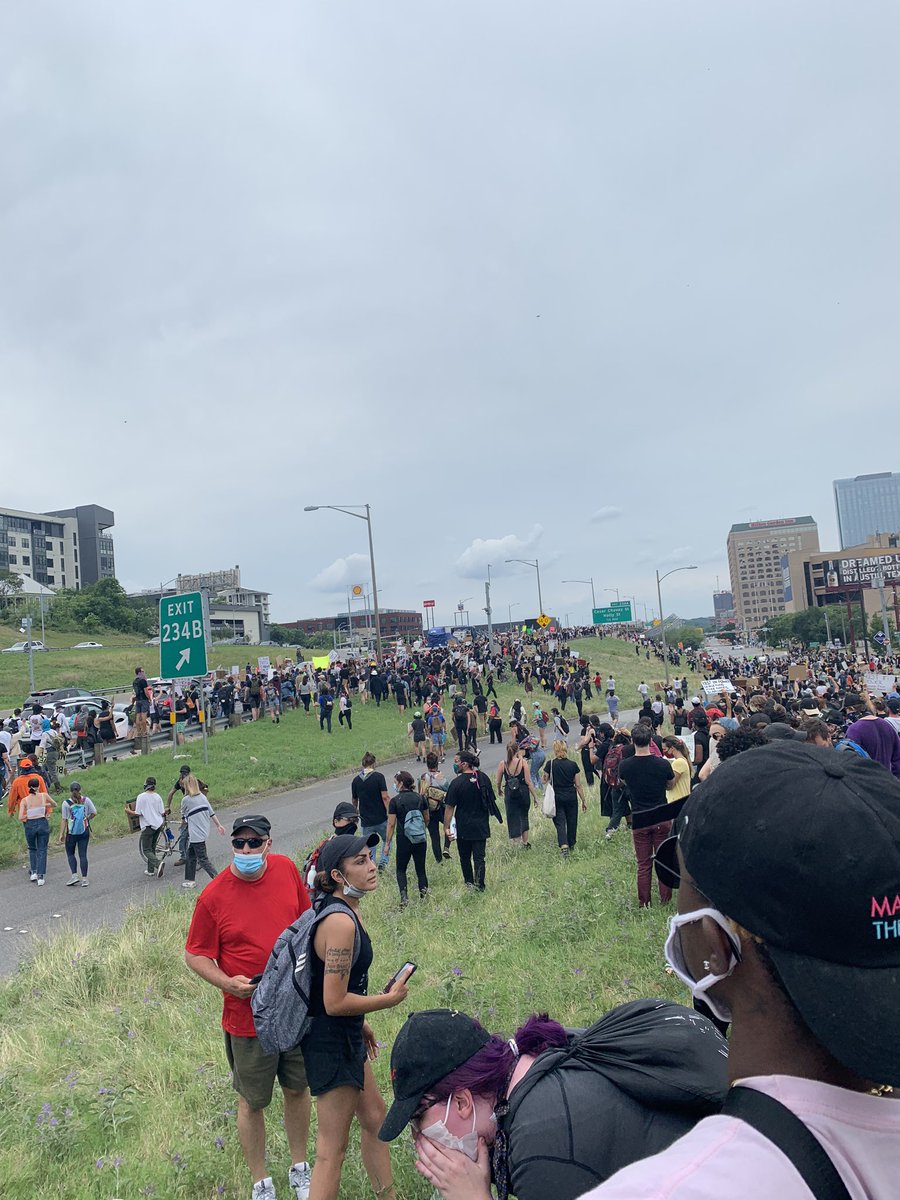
593, 596
348, 509
509, 608
533, 562
662, 622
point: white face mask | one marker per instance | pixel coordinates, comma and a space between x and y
675, 957
441, 1135
350, 889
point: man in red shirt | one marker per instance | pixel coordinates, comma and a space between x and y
238, 918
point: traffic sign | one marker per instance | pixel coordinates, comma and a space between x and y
543, 620
616, 614
182, 640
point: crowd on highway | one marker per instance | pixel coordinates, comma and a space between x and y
766, 801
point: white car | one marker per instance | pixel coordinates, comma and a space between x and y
88, 646
21, 647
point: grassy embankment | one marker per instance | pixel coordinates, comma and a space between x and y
112, 1075
262, 757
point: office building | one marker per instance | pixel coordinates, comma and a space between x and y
755, 551
70, 548
395, 623
723, 608
838, 580
866, 505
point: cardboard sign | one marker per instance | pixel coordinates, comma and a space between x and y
235, 670
798, 671
263, 662
714, 687
880, 683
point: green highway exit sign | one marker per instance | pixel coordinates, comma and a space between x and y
615, 614
182, 644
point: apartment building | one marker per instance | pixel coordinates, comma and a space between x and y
66, 549
755, 551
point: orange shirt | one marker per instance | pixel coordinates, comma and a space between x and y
18, 789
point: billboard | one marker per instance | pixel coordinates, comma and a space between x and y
841, 572
787, 589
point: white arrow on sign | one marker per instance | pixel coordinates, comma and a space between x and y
185, 658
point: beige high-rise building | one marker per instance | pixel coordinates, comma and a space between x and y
755, 551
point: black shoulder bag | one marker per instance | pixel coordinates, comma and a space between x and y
786, 1131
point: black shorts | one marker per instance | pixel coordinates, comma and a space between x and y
335, 1054
142, 706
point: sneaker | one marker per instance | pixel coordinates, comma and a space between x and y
41, 881
72, 881
32, 878
160, 868
148, 872
84, 883
189, 883
609, 835
264, 1190
179, 862
299, 1178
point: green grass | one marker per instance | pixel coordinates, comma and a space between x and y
113, 1081
261, 757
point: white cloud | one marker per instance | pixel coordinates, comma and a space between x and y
473, 562
608, 512
342, 573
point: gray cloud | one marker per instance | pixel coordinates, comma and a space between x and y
473, 562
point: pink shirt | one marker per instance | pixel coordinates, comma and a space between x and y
724, 1157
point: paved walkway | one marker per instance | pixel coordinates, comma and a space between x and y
116, 868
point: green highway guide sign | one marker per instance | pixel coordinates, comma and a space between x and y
615, 614
182, 643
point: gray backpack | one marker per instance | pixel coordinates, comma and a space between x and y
280, 1003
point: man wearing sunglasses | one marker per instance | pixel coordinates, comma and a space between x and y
787, 864
238, 918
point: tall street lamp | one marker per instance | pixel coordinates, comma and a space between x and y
593, 597
616, 590
532, 562
367, 517
662, 621
509, 608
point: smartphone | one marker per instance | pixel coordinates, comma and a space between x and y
254, 979
408, 967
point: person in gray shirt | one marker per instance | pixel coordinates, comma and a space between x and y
197, 813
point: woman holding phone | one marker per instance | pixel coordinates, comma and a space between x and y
340, 1043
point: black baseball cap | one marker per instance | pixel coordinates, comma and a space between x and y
801, 846
258, 824
430, 1045
345, 812
345, 845
780, 731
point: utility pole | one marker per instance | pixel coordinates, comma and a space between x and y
862, 611
879, 583
488, 610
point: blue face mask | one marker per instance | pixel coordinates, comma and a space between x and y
456, 768
248, 864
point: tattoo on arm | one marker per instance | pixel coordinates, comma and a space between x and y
338, 962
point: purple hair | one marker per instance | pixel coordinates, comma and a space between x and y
487, 1072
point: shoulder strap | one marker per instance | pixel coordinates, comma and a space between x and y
783, 1129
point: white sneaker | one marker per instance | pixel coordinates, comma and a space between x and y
72, 881
263, 1190
299, 1178
32, 878
41, 881
189, 883
84, 883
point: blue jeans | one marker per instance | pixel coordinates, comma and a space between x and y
537, 760
381, 830
37, 835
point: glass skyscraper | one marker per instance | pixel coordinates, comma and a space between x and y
865, 505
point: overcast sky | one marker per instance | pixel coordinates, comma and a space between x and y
580, 280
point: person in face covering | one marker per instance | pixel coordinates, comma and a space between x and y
344, 819
550, 1112
795, 939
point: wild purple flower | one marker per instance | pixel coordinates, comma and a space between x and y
456, 971
626, 982
46, 1108
178, 1161
576, 970
131, 1033
53, 1122
104, 1091
220, 1143
220, 1190
71, 1079
99, 1164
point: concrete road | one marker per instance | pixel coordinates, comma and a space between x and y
117, 882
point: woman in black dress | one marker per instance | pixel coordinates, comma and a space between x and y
514, 783
340, 1043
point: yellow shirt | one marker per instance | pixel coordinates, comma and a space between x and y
682, 785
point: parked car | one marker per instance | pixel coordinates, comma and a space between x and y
71, 708
154, 641
21, 647
49, 696
88, 646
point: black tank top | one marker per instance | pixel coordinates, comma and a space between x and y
358, 983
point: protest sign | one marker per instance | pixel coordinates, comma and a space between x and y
714, 687
880, 683
798, 671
